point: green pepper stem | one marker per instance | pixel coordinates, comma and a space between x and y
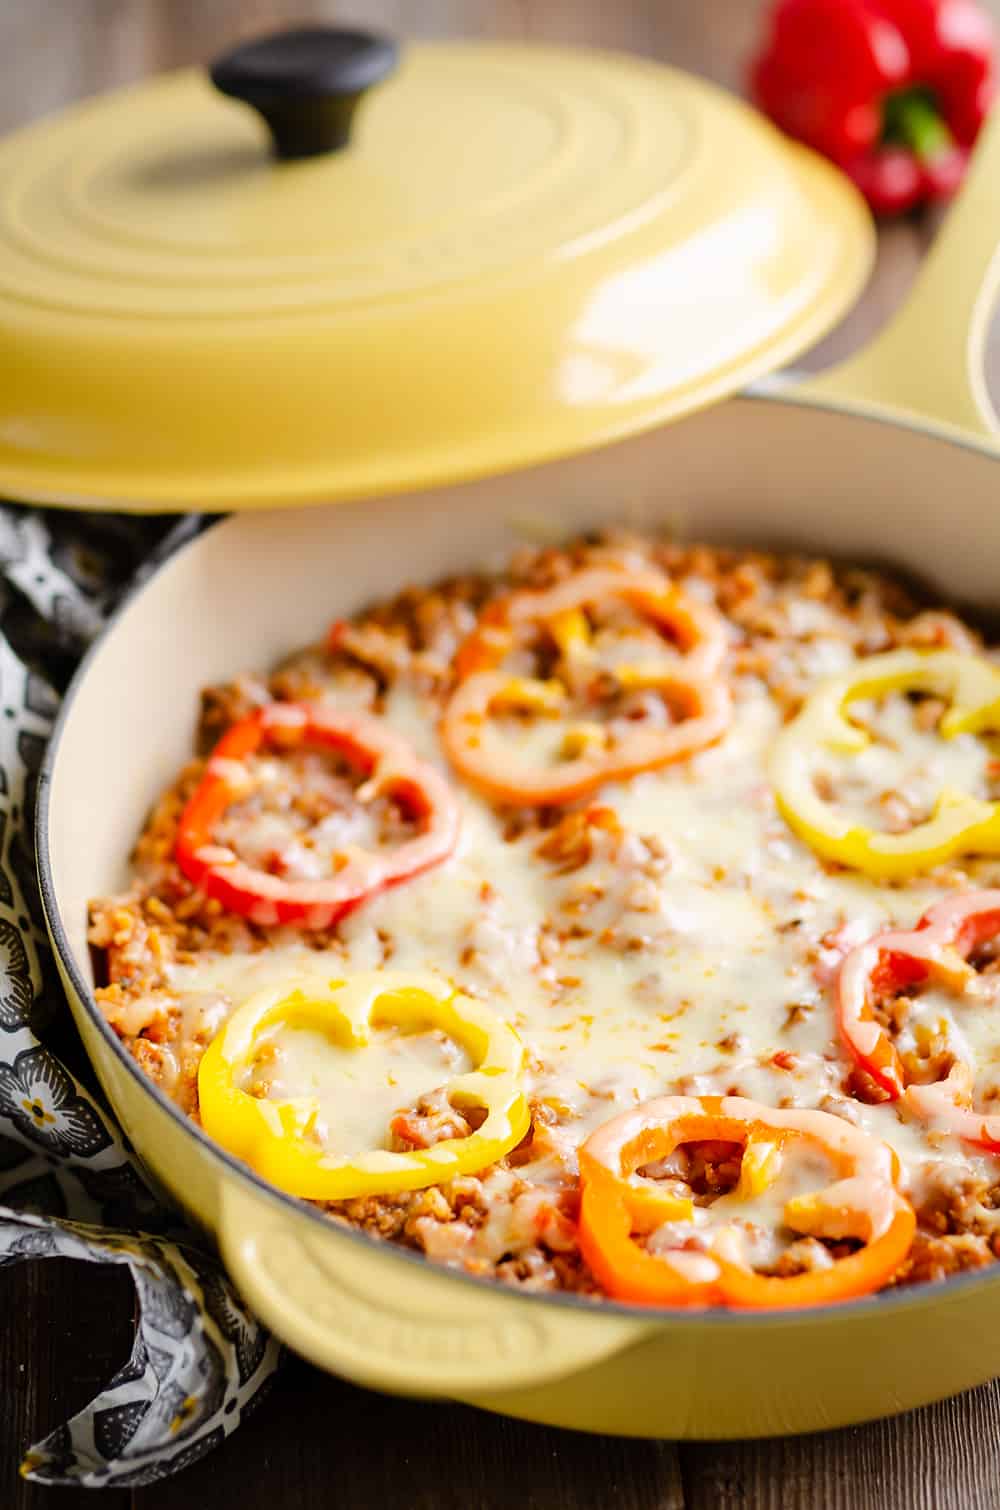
911, 119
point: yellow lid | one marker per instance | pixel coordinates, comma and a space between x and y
523, 252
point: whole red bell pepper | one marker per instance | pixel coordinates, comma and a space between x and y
894, 91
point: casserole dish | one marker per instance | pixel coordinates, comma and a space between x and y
737, 472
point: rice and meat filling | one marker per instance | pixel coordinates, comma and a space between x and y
666, 934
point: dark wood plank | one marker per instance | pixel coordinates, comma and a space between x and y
946, 1457
64, 1331
318, 1442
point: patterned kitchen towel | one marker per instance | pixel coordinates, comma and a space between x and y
69, 1185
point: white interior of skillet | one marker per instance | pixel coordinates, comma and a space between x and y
755, 470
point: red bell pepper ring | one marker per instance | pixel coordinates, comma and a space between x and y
937, 948
893, 91
947, 1107
390, 767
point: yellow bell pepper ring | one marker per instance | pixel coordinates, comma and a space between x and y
277, 1138
960, 822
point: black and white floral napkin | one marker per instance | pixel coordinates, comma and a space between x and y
69, 1185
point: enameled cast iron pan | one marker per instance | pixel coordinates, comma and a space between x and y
849, 466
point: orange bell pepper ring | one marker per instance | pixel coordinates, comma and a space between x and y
554, 622
938, 948
390, 766
861, 1203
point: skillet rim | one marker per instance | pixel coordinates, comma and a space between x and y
776, 389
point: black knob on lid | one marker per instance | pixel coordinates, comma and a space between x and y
306, 83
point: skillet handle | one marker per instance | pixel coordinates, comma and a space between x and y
366, 1313
928, 361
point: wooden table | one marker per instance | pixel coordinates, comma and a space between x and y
318, 1442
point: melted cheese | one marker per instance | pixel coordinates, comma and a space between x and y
754, 1229
968, 1023
626, 981
357, 1090
895, 780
